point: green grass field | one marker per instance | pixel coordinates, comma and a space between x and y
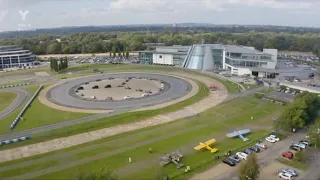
24, 72
86, 69
6, 99
184, 134
92, 125
37, 115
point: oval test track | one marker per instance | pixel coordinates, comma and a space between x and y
180, 89
60, 94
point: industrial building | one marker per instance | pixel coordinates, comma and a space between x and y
14, 56
239, 60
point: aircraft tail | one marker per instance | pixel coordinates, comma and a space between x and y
243, 138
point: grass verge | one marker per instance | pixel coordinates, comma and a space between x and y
6, 98
293, 163
184, 134
37, 115
95, 124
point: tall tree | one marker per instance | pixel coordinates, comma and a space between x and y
249, 170
314, 133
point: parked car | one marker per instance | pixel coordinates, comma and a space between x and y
229, 162
235, 158
242, 155
294, 147
290, 171
304, 142
287, 154
301, 145
254, 148
261, 145
274, 137
285, 176
247, 151
270, 139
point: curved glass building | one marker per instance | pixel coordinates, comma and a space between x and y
239, 60
14, 56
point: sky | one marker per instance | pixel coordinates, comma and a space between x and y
35, 14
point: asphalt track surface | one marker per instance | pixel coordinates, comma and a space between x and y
178, 87
18, 102
61, 93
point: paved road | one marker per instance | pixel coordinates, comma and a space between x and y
61, 95
18, 102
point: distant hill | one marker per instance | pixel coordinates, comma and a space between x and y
180, 27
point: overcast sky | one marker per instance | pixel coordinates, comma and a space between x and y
59, 13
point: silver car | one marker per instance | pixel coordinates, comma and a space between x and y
290, 171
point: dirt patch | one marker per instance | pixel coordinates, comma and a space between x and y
42, 73
118, 93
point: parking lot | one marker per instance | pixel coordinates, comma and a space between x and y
269, 167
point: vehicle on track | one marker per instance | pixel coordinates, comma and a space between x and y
127, 97
95, 87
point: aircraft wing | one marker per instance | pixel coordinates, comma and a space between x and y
200, 146
244, 131
209, 142
233, 134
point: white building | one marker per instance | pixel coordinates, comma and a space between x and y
13, 56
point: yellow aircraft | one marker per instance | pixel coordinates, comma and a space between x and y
206, 146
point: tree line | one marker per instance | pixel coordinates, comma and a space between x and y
58, 64
302, 112
101, 42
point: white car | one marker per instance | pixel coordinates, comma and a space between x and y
270, 139
93, 97
301, 145
127, 97
261, 145
285, 176
290, 171
242, 155
145, 94
274, 137
304, 142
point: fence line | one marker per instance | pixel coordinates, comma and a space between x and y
14, 123
14, 85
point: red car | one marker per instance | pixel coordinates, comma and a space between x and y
287, 154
